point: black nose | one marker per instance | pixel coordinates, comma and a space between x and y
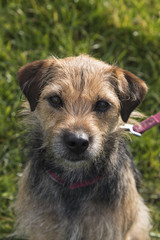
77, 143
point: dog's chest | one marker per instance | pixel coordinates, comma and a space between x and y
91, 223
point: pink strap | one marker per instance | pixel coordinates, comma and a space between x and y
147, 123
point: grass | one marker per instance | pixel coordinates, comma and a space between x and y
125, 32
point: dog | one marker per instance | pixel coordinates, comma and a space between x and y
79, 182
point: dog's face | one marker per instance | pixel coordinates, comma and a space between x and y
79, 102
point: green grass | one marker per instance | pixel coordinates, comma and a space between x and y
125, 32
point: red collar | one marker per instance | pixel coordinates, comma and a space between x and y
74, 185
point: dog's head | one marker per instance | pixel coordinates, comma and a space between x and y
79, 102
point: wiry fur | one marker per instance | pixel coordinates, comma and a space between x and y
111, 208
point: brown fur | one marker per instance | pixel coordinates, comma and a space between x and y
111, 208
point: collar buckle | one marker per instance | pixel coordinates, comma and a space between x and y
129, 127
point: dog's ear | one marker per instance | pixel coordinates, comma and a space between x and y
131, 91
31, 82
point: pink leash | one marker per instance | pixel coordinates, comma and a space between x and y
143, 126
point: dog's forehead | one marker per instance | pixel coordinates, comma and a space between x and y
85, 70
81, 75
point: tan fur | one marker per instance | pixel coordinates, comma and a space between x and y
81, 82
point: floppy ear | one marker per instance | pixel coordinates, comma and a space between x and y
31, 82
131, 91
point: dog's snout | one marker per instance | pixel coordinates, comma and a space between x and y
76, 143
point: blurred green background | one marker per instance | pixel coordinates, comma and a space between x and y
125, 32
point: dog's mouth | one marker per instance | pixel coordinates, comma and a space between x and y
74, 159
69, 163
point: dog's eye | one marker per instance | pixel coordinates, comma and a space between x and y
55, 101
101, 106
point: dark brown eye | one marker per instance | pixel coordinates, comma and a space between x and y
101, 106
55, 101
